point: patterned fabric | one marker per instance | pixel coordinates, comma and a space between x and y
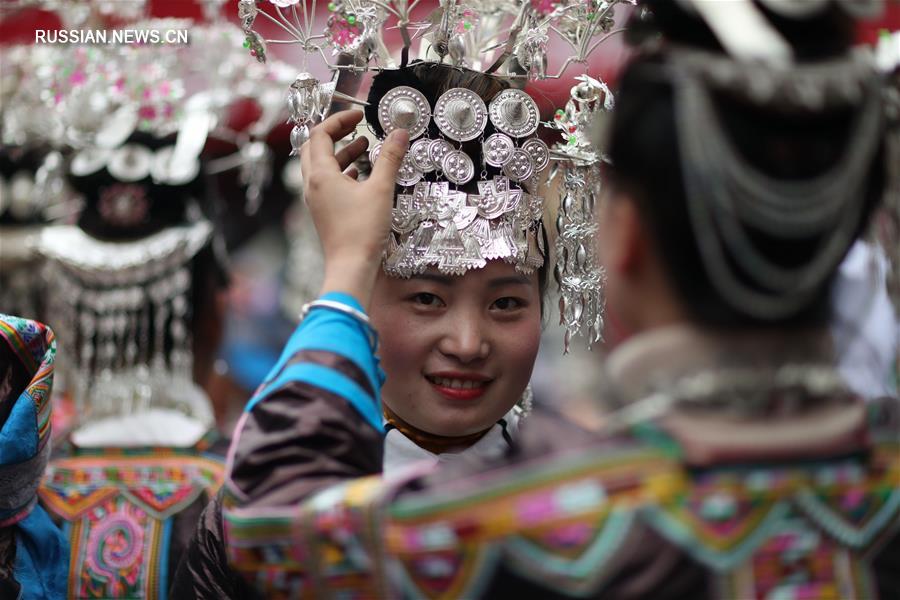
783, 532
40, 550
35, 345
118, 507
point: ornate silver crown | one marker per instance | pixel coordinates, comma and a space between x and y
437, 225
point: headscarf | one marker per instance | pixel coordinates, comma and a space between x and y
27, 353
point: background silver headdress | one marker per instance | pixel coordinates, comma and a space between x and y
133, 121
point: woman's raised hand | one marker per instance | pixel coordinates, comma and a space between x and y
353, 218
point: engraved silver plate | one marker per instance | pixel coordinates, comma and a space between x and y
408, 174
495, 198
374, 151
539, 153
421, 158
438, 150
519, 166
460, 114
497, 149
404, 108
514, 113
458, 167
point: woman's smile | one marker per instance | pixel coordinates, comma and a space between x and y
459, 386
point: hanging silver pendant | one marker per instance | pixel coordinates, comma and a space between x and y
299, 135
408, 174
438, 150
514, 113
458, 167
539, 153
519, 166
460, 114
421, 158
404, 108
497, 149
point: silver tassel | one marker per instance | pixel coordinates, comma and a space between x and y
578, 273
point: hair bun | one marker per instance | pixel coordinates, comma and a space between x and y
814, 29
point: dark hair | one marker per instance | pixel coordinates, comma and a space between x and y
646, 163
433, 79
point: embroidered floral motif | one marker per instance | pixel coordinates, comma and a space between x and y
120, 506
115, 549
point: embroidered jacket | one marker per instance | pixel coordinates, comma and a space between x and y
128, 513
741, 508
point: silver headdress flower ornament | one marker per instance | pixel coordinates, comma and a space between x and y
728, 198
499, 216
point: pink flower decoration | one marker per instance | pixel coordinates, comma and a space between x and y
543, 7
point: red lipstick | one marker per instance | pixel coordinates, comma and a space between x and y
457, 393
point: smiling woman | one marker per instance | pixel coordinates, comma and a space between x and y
458, 353
459, 332
453, 304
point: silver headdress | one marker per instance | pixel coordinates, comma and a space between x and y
33, 192
435, 224
134, 121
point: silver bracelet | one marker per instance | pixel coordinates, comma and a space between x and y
342, 308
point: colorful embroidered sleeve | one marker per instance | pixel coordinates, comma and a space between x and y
314, 422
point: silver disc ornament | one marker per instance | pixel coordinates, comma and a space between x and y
437, 150
539, 153
514, 113
374, 151
404, 108
408, 174
460, 114
497, 149
519, 166
421, 158
458, 167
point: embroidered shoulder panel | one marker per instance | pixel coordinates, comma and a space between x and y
798, 531
118, 508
